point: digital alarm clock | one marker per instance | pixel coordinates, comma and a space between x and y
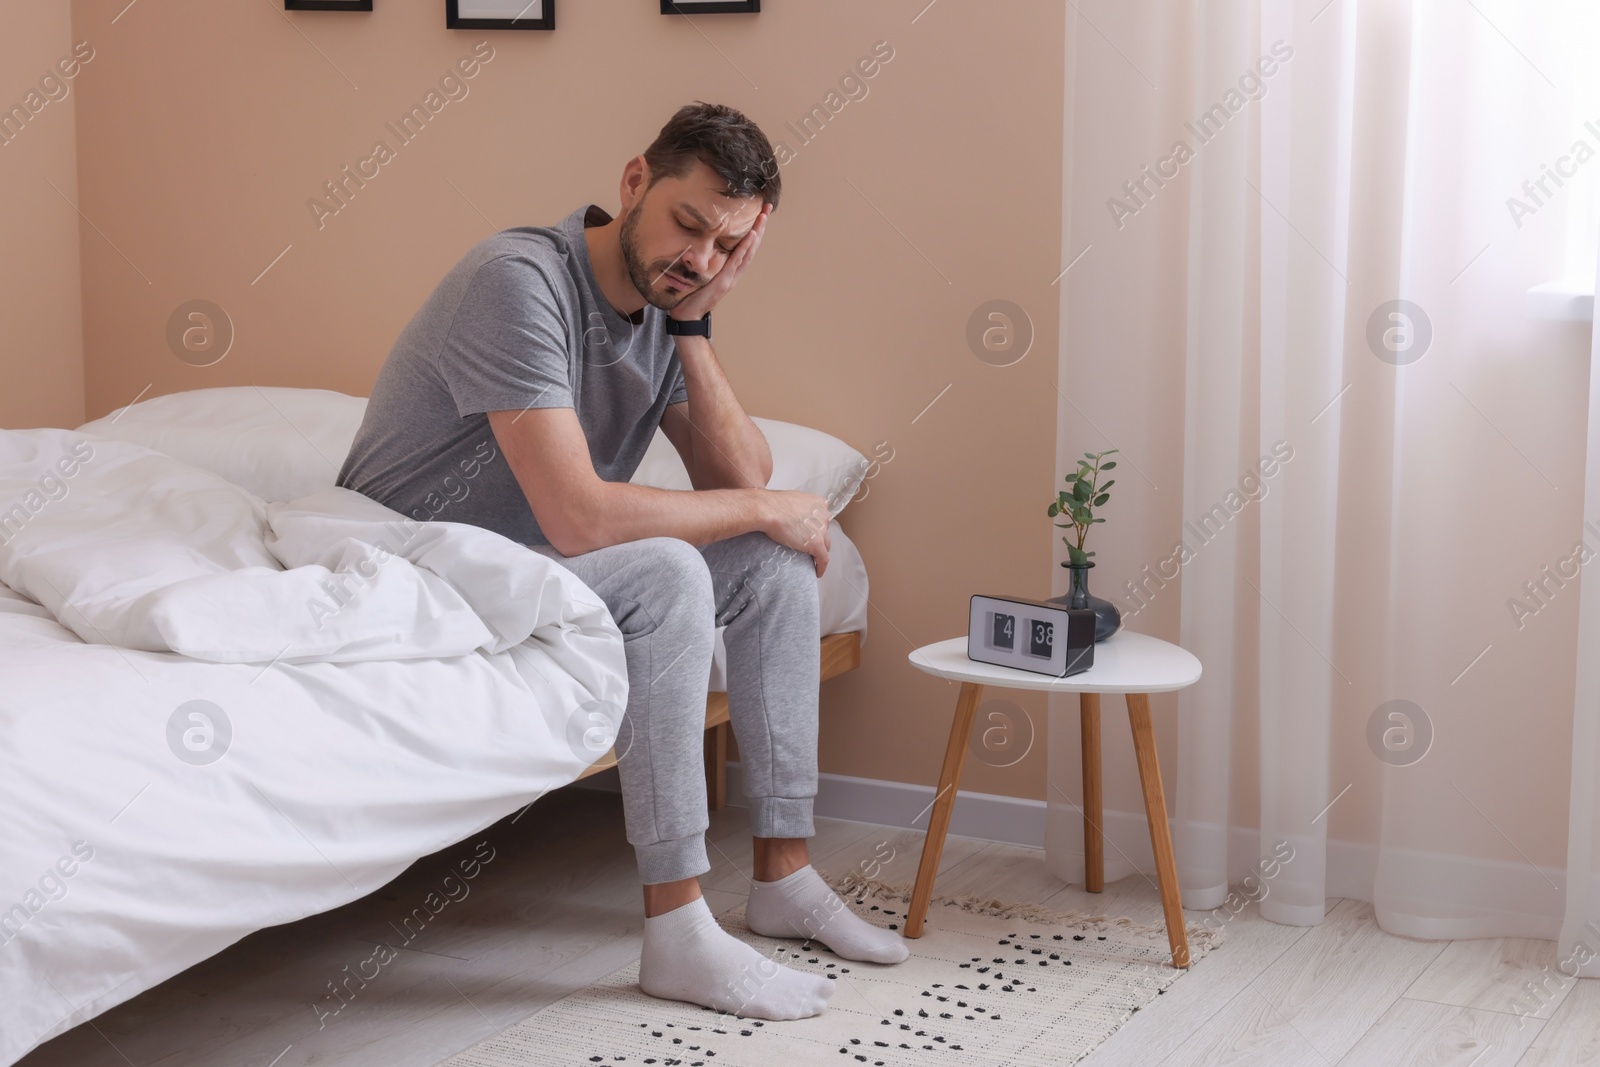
1031, 635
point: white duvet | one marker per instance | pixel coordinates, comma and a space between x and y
218, 714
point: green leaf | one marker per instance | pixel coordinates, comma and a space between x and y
1081, 516
1108, 485
1108, 466
1080, 491
1055, 509
1099, 520
1101, 499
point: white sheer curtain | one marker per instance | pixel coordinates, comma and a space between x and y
1333, 276
1579, 947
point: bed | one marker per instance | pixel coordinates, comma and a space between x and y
198, 739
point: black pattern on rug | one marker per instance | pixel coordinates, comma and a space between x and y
993, 982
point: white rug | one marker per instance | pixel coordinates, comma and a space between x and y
987, 983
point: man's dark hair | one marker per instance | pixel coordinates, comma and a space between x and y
724, 140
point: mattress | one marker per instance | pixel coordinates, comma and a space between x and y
129, 854
126, 918
161, 804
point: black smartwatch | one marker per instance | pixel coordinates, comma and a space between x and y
700, 327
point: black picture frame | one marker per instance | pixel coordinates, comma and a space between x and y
546, 19
710, 7
327, 5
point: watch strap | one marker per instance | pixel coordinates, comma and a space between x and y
690, 327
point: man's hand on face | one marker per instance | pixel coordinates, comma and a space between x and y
703, 299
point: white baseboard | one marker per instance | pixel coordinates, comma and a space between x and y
842, 796
987, 815
1476, 897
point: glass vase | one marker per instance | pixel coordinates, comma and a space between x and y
1107, 619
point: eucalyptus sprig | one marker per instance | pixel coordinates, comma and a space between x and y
1083, 494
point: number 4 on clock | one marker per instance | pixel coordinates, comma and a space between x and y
1005, 627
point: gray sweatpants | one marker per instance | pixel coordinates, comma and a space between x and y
667, 597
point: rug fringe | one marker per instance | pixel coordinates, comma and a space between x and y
1201, 937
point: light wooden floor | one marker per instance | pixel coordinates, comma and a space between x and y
560, 906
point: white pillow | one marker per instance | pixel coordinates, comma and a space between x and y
282, 444
278, 443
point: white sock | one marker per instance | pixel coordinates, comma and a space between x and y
687, 956
800, 904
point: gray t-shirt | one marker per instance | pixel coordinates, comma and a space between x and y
519, 322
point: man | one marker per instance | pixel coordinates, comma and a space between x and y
521, 398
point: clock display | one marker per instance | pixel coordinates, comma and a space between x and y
1041, 638
1003, 630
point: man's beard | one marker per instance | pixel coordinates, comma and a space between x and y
651, 284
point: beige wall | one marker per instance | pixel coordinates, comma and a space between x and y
41, 356
205, 129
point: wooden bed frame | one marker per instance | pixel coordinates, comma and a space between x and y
840, 653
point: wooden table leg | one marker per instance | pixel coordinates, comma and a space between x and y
1094, 863
716, 743
944, 802
1155, 808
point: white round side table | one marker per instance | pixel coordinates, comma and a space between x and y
1132, 664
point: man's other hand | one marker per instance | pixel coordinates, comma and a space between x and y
800, 521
